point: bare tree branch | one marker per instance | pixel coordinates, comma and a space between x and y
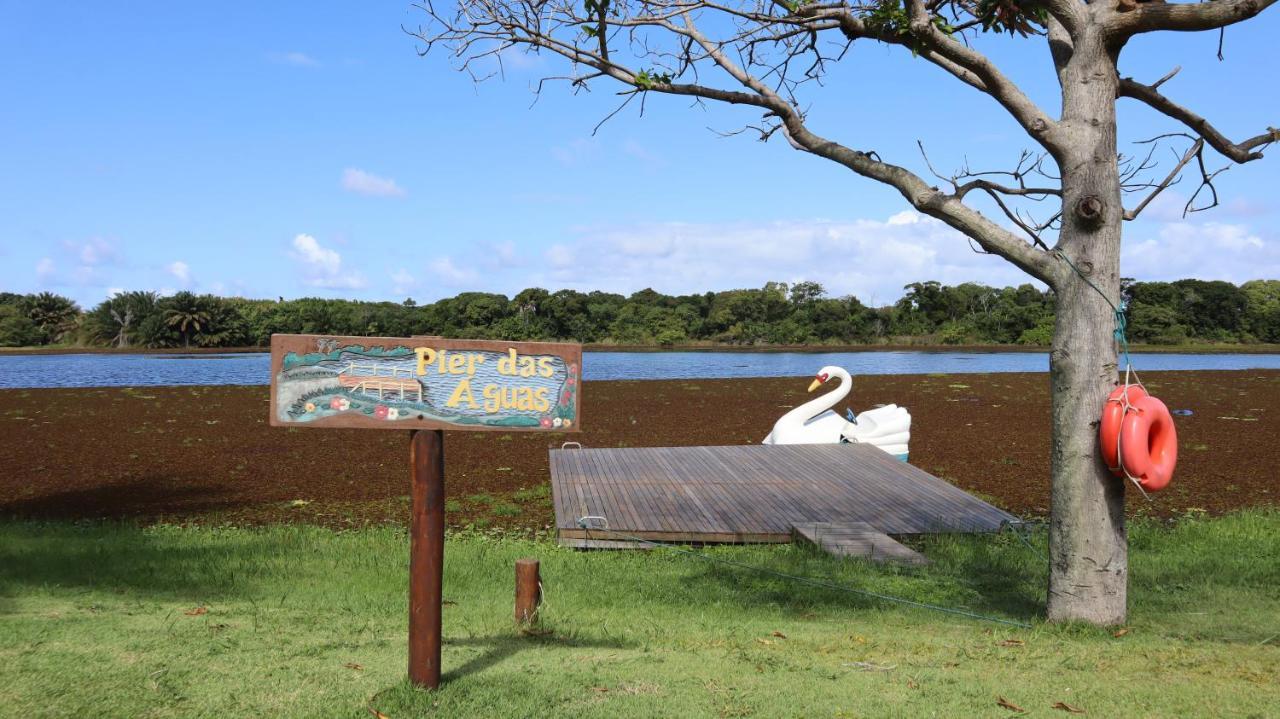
929, 200
965, 181
757, 53
1240, 152
1206, 184
1183, 16
854, 28
532, 23
1034, 120
1171, 178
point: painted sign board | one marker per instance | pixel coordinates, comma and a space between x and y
424, 383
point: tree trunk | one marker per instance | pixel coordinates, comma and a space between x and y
1088, 548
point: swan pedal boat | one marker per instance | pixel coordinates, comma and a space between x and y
814, 422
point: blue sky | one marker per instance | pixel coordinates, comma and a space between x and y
305, 149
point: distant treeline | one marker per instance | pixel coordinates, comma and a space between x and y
776, 314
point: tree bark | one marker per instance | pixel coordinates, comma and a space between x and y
1088, 547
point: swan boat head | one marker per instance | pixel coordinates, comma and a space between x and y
826, 373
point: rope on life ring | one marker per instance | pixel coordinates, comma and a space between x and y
1136, 434
1137, 437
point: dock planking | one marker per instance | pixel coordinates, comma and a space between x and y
855, 539
753, 493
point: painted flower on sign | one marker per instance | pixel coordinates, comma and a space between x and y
381, 411
393, 413
310, 406
545, 422
557, 422
567, 423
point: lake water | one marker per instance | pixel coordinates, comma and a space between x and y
116, 370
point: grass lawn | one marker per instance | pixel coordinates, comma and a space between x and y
296, 621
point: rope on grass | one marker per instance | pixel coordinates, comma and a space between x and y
1017, 527
811, 581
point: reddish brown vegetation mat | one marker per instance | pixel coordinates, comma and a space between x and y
206, 454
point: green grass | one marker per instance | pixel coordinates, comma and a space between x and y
505, 509
540, 492
101, 620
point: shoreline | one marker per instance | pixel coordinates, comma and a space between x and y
204, 455
762, 349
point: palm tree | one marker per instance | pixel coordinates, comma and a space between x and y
55, 315
114, 318
188, 313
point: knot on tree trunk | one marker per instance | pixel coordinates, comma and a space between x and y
1089, 210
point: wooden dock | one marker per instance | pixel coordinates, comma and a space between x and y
371, 378
383, 387
751, 493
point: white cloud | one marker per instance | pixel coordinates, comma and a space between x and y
322, 266
88, 261
45, 270
499, 257
403, 282
871, 259
1204, 250
351, 281
93, 252
367, 183
560, 256
179, 270
504, 253
321, 259
296, 59
451, 274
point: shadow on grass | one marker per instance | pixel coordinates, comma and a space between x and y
144, 498
121, 556
471, 687
1180, 574
504, 646
980, 574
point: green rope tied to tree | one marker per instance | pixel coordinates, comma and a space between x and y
1122, 321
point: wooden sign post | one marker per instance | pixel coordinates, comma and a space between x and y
426, 555
425, 385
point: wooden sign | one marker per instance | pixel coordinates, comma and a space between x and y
424, 383
431, 384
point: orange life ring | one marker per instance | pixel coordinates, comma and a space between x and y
1112, 418
1144, 438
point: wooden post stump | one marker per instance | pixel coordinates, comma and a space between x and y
528, 591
